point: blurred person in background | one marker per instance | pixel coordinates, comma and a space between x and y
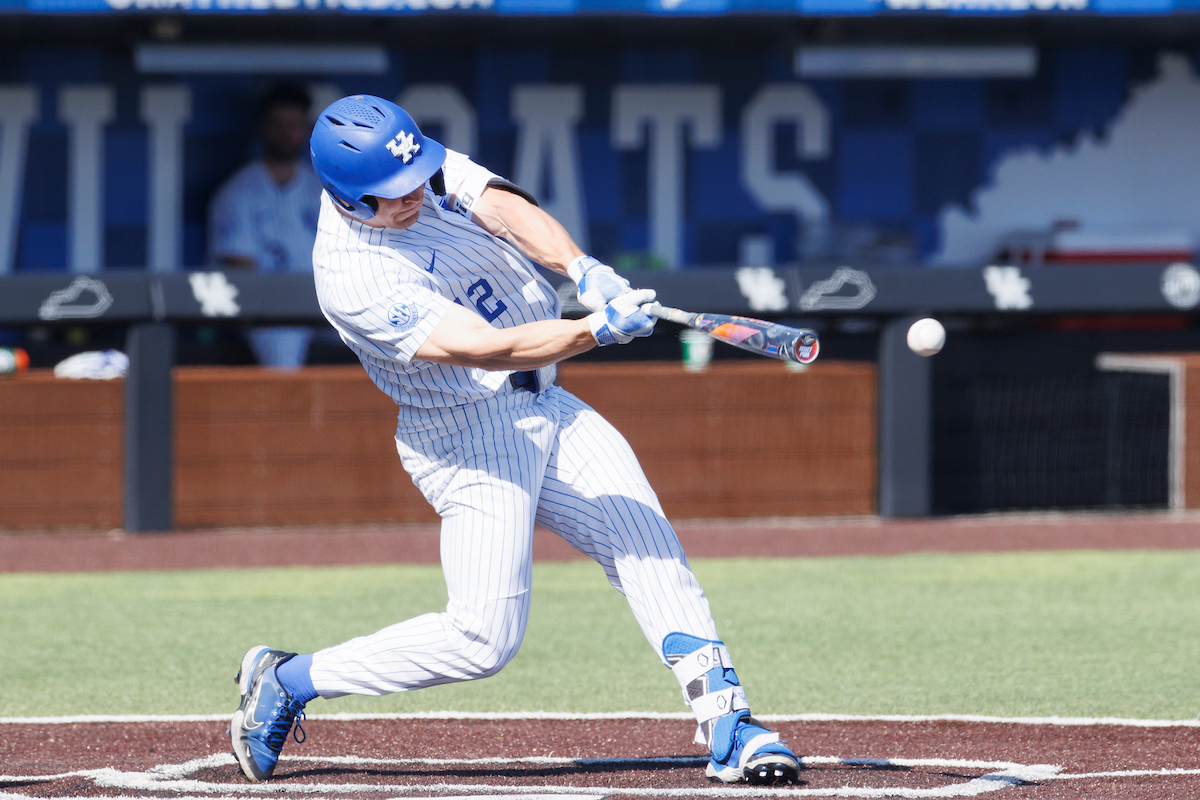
265, 216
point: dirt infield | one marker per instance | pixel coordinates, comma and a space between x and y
600, 757
418, 544
375, 759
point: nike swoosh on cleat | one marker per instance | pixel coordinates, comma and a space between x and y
249, 722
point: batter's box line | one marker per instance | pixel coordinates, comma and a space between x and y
682, 761
1126, 773
503, 716
10, 796
172, 778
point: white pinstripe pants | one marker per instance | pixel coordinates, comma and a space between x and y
491, 469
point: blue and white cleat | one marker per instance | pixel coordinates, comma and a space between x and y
266, 714
743, 750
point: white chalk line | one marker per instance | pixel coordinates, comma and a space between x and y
11, 796
683, 761
1128, 773
624, 715
523, 796
174, 778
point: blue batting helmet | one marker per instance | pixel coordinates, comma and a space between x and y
365, 147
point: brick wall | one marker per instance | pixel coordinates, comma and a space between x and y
255, 447
262, 447
744, 439
60, 452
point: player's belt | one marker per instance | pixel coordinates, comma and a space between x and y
528, 381
534, 380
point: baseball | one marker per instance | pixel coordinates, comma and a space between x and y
926, 336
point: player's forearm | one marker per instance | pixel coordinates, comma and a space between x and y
528, 346
535, 233
542, 240
537, 344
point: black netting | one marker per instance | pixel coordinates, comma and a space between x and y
1046, 442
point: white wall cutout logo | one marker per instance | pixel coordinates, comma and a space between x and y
85, 298
401, 316
403, 147
762, 288
1181, 285
215, 294
823, 295
1008, 287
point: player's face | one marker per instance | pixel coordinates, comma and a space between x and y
400, 212
285, 131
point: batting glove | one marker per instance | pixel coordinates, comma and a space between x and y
623, 320
598, 284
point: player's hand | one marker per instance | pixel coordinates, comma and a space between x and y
623, 320
598, 284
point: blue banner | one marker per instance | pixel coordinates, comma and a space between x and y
656, 7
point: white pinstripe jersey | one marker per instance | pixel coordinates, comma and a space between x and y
254, 217
385, 290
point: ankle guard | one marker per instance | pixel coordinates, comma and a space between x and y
710, 686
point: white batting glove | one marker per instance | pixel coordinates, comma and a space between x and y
623, 320
598, 284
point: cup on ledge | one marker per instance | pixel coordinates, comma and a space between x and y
697, 349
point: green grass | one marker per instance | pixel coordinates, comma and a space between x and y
1081, 633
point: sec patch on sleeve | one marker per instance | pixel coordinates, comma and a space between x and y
402, 316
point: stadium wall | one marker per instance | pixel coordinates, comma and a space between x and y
662, 152
255, 447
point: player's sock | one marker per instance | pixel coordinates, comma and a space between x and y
294, 675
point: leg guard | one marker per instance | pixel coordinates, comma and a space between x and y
739, 748
710, 686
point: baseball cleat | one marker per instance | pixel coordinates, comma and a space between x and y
265, 716
755, 755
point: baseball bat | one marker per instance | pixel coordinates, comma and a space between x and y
756, 335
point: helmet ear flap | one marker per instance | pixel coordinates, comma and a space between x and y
361, 210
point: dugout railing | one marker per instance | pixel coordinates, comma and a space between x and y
151, 306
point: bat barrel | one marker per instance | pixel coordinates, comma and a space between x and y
753, 335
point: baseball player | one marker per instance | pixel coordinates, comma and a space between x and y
265, 216
424, 265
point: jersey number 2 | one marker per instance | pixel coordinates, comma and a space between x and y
489, 307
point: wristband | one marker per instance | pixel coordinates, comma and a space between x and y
598, 325
579, 267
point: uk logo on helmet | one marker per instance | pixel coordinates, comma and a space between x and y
403, 147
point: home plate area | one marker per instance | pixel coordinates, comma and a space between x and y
595, 757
